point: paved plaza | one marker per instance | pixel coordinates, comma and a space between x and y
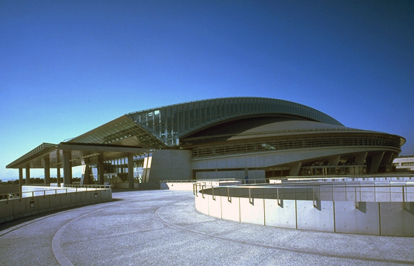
162, 227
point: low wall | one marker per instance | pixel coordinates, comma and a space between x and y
18, 208
139, 186
9, 189
186, 186
371, 218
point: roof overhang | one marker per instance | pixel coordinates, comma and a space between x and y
80, 154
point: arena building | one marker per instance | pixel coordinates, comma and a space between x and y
243, 137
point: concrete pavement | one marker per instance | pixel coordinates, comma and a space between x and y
162, 227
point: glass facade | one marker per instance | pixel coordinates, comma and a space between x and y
169, 123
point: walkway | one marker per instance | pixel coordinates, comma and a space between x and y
163, 228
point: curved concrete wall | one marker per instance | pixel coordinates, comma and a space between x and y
371, 218
19, 208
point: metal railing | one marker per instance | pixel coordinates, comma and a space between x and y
89, 186
332, 191
53, 191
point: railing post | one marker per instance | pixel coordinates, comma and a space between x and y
250, 197
228, 194
403, 197
356, 200
313, 197
279, 202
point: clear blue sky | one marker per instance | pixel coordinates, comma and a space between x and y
67, 67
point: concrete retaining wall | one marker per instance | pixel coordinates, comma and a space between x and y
9, 189
18, 208
187, 186
370, 218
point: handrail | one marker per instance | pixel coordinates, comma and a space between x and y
324, 178
89, 186
333, 191
55, 191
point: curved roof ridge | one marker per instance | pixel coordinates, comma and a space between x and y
234, 98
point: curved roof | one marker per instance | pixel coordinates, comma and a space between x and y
271, 127
297, 127
169, 123
165, 126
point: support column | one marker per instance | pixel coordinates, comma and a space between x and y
101, 180
46, 162
147, 168
58, 168
131, 170
86, 175
360, 158
376, 162
295, 169
360, 161
67, 168
333, 161
58, 180
27, 174
387, 160
20, 181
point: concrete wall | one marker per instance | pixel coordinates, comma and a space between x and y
9, 189
140, 186
371, 218
187, 186
252, 174
171, 165
18, 208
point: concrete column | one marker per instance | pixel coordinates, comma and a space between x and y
27, 174
360, 161
376, 161
147, 168
333, 161
58, 168
20, 181
86, 175
46, 162
295, 169
131, 170
360, 158
67, 168
101, 180
388, 158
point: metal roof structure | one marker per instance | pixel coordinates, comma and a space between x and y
80, 154
162, 127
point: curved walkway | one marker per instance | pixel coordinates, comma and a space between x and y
163, 228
